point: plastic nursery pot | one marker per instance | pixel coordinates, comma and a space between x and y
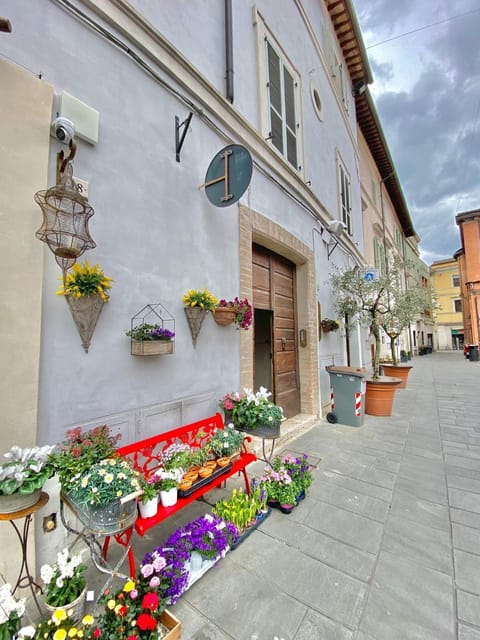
190, 476
210, 463
222, 462
287, 508
185, 485
204, 472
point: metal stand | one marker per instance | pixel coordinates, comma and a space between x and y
97, 548
25, 578
267, 458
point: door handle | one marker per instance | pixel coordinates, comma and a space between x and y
284, 343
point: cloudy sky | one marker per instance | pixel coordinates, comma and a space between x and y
427, 93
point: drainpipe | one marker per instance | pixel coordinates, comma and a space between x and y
229, 50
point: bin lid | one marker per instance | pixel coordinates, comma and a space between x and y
349, 371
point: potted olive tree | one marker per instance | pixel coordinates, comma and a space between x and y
367, 300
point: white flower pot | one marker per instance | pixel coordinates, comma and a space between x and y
169, 498
149, 508
75, 609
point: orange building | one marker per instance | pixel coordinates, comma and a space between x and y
468, 258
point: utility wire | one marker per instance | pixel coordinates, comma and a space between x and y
427, 26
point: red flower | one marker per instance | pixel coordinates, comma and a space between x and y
122, 611
150, 601
144, 622
97, 633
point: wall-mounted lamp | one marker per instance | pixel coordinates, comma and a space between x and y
336, 229
65, 216
359, 87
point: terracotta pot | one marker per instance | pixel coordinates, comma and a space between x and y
380, 394
204, 472
398, 371
222, 462
185, 485
210, 463
190, 476
224, 315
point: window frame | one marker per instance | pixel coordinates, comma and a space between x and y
345, 203
265, 39
455, 301
455, 277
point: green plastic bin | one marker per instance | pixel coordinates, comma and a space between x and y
348, 403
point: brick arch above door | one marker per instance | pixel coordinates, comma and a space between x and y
256, 228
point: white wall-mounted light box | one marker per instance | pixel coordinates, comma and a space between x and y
84, 118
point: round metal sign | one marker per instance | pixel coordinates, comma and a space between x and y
228, 175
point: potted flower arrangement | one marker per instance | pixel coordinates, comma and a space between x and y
226, 442
167, 483
23, 476
196, 303
148, 500
236, 310
176, 456
329, 325
255, 413
86, 291
299, 470
104, 496
207, 538
150, 339
242, 509
60, 625
11, 612
138, 610
81, 450
65, 584
282, 490
228, 402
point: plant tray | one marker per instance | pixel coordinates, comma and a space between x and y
201, 482
173, 627
245, 534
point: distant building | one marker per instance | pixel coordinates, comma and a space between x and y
468, 259
445, 280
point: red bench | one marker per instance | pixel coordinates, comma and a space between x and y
145, 455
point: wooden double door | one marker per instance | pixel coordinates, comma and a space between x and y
275, 356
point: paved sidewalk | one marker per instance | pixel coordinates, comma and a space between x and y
387, 544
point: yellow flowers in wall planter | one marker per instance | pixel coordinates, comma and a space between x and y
86, 290
196, 304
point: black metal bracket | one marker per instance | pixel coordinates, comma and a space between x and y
332, 245
179, 140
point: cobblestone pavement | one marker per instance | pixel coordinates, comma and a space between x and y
385, 547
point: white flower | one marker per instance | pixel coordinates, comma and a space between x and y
46, 573
26, 632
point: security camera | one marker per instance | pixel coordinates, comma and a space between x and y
63, 130
336, 228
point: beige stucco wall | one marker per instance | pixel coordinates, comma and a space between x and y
25, 112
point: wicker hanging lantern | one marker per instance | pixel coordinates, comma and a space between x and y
65, 216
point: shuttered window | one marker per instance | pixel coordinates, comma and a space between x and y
282, 95
345, 198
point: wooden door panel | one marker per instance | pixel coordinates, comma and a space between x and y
274, 289
285, 362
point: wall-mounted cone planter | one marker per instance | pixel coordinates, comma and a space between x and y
85, 312
195, 317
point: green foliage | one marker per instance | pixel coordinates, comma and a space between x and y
226, 442
254, 409
81, 450
26, 470
240, 509
379, 303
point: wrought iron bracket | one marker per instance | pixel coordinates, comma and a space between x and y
179, 139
